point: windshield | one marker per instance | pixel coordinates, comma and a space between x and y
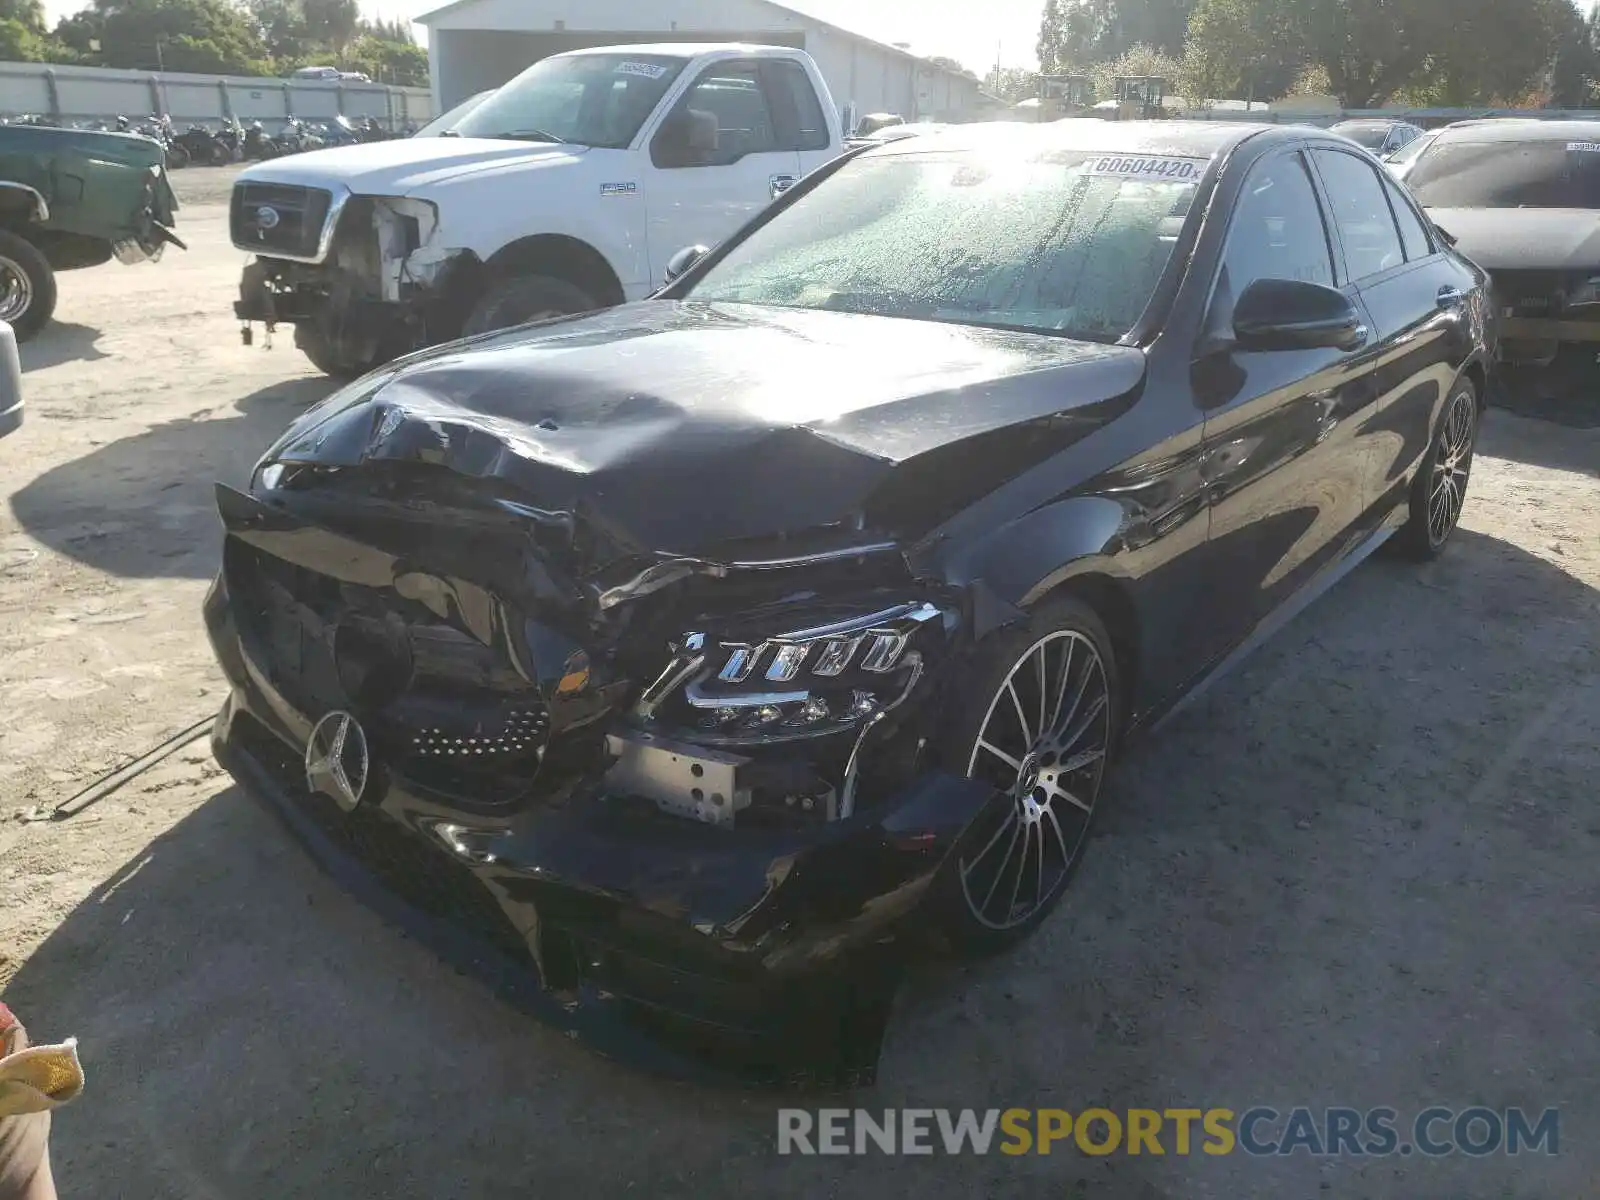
588, 99
1071, 245
1549, 173
1410, 151
1370, 136
451, 117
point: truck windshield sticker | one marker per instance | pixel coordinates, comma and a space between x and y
618, 189
648, 70
1584, 147
1159, 169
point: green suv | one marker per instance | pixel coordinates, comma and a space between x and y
74, 198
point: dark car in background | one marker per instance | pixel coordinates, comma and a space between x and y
1521, 198
1382, 137
677, 666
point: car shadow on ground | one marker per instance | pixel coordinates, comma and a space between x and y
1529, 438
60, 342
144, 507
1358, 872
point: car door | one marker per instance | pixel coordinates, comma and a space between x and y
1280, 425
716, 160
1415, 297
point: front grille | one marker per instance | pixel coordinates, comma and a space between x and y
453, 712
401, 860
301, 214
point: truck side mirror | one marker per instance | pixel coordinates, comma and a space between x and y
683, 260
688, 138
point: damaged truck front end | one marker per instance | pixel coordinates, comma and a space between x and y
361, 278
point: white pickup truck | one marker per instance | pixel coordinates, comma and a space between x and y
569, 189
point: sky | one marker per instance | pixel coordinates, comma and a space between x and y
960, 29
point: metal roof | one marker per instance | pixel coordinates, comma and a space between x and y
786, 10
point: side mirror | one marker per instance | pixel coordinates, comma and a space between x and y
1290, 314
684, 259
688, 138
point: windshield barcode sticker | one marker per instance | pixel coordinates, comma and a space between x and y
1166, 170
647, 70
1584, 147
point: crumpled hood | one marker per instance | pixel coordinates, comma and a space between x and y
1524, 239
680, 426
401, 166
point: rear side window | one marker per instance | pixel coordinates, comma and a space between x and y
807, 127
1360, 214
1413, 235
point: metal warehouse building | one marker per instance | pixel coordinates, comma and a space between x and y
478, 44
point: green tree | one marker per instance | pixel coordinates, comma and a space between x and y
335, 23
1142, 61
384, 61
27, 13
950, 64
1013, 84
206, 36
1244, 49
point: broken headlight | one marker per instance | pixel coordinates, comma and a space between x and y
744, 688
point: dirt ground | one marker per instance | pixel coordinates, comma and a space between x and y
1360, 872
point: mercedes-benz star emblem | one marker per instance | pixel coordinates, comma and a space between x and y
336, 760
266, 217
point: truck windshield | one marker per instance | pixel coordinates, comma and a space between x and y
588, 99
1072, 244
1548, 173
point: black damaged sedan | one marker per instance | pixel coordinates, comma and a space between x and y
675, 667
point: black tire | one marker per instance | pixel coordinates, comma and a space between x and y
27, 285
1440, 488
315, 344
524, 298
1048, 811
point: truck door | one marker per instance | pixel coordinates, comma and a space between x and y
717, 158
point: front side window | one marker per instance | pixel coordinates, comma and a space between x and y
588, 99
1277, 230
1072, 244
722, 118
1360, 213
1547, 173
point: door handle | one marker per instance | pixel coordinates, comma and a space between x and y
781, 184
1449, 296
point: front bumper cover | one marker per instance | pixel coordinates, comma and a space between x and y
767, 958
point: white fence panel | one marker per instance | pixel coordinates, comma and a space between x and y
70, 93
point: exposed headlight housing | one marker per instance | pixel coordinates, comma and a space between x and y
813, 680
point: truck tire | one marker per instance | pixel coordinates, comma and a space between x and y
524, 298
315, 345
27, 285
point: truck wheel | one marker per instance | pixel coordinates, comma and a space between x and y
525, 298
315, 344
27, 285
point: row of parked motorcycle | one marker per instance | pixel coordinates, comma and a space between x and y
235, 141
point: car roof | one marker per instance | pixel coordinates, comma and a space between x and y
1522, 129
1196, 139
1369, 123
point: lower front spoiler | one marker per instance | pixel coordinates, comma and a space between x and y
602, 1022
658, 991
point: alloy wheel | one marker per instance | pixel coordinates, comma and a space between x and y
16, 290
1043, 741
1452, 464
